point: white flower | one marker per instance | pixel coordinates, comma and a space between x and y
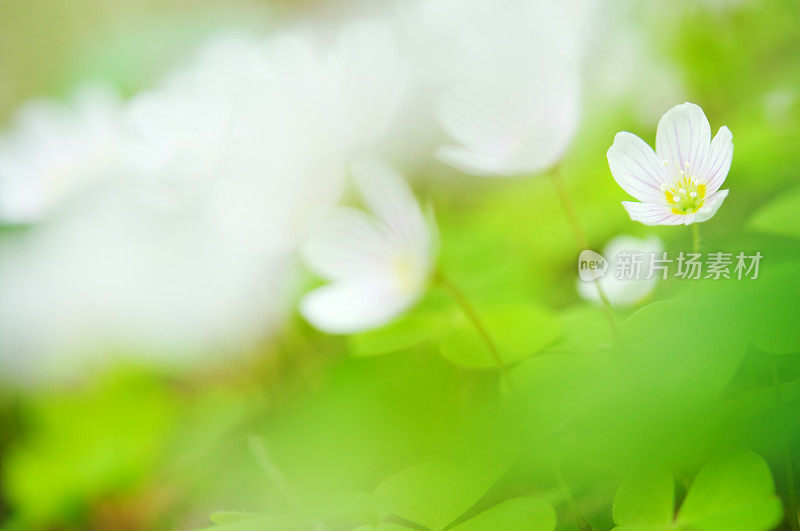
511, 95
378, 266
623, 253
521, 128
53, 151
191, 256
679, 182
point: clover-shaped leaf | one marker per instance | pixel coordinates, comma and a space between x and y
686, 350
735, 491
519, 330
407, 332
529, 514
434, 494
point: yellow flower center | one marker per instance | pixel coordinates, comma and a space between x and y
408, 272
685, 196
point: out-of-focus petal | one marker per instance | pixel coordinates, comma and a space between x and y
480, 164
523, 127
682, 138
344, 242
355, 304
624, 292
636, 168
391, 200
652, 214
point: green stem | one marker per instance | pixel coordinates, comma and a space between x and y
569, 211
472, 315
788, 469
695, 238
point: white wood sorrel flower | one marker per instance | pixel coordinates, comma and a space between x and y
378, 265
679, 182
523, 127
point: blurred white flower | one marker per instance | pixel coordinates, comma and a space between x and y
511, 88
191, 257
522, 128
679, 182
623, 254
55, 150
378, 266
371, 78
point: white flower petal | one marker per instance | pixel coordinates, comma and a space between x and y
476, 163
624, 292
521, 127
353, 305
710, 206
682, 138
652, 214
391, 200
718, 161
344, 242
636, 168
485, 127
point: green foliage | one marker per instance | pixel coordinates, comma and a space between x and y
779, 216
735, 491
435, 494
82, 446
519, 330
416, 328
524, 514
645, 500
382, 430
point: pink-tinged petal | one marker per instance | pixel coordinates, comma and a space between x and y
345, 242
357, 304
718, 161
683, 139
710, 206
652, 214
636, 168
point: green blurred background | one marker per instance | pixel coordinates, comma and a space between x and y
302, 433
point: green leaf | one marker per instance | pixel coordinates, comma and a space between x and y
773, 326
645, 499
529, 514
436, 493
688, 351
735, 491
586, 329
779, 216
399, 335
519, 331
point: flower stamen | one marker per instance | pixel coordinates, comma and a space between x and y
685, 196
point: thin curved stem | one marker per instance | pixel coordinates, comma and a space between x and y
472, 315
569, 211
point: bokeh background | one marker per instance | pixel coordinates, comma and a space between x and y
154, 395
